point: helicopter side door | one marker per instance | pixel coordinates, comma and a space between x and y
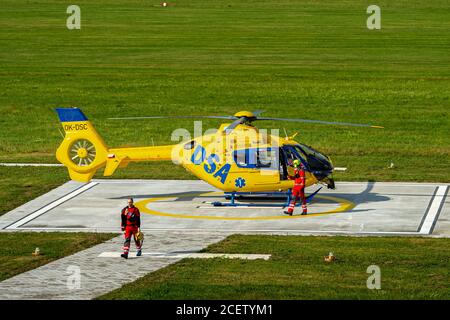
256, 168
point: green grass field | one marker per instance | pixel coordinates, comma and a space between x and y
16, 257
308, 59
411, 268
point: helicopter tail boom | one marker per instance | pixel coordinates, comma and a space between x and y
120, 157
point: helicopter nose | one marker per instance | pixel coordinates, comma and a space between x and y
323, 173
321, 168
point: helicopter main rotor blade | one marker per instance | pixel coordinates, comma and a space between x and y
257, 112
234, 124
172, 117
322, 122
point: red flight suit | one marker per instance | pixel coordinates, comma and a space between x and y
131, 222
299, 190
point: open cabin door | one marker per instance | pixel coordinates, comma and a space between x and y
287, 156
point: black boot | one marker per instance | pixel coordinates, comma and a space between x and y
124, 255
287, 212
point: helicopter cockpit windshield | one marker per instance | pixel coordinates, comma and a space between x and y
310, 152
314, 161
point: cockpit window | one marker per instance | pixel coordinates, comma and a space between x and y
267, 157
313, 160
310, 152
256, 158
316, 160
292, 154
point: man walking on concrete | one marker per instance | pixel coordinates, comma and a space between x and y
131, 224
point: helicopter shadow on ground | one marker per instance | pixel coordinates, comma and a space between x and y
366, 196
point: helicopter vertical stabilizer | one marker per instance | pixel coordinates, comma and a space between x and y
83, 150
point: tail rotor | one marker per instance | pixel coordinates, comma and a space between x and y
83, 150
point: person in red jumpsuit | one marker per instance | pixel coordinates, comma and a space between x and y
131, 223
299, 188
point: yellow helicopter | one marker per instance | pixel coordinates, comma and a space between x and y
237, 158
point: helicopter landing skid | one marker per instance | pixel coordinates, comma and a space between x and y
232, 197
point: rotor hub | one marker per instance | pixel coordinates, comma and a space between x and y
246, 114
82, 152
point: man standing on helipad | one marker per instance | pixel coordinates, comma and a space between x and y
131, 224
298, 192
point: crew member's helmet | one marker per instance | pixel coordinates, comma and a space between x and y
297, 163
139, 236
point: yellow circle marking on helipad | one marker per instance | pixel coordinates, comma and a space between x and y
345, 205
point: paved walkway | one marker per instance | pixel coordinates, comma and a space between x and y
99, 275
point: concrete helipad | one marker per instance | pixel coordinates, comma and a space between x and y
179, 220
167, 205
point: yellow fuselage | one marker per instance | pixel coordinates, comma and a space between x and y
212, 158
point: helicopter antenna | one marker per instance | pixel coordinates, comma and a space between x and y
60, 132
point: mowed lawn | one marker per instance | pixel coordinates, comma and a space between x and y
17, 248
410, 268
307, 59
